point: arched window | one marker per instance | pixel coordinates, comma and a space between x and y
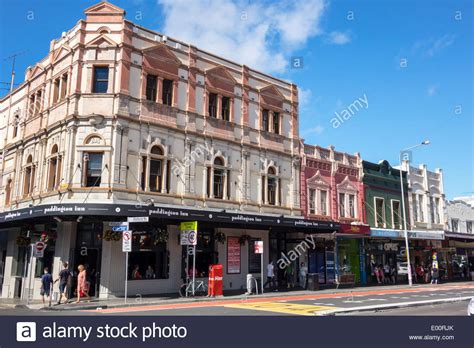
218, 179
8, 192
29, 177
54, 169
156, 171
271, 187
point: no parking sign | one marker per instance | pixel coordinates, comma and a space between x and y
188, 233
127, 241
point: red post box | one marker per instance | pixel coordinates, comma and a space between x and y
215, 281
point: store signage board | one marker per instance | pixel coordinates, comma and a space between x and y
39, 249
258, 247
189, 232
233, 255
127, 241
138, 219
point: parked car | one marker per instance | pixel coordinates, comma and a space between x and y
402, 268
470, 307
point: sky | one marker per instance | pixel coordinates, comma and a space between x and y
374, 77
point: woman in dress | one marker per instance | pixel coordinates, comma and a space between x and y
82, 284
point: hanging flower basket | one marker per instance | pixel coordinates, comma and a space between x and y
111, 236
220, 237
23, 241
244, 239
161, 236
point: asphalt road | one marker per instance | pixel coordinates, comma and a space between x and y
283, 305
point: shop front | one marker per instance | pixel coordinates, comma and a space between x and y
461, 256
82, 234
350, 256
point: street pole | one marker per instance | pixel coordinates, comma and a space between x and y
126, 275
30, 275
194, 267
25, 270
261, 272
407, 246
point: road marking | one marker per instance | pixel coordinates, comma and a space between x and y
322, 303
278, 307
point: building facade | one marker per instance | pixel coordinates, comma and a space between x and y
121, 121
331, 189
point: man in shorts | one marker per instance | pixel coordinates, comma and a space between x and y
46, 284
64, 278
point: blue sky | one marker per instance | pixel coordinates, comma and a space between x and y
411, 60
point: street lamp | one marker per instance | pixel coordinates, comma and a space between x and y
407, 247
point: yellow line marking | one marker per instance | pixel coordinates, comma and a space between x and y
279, 307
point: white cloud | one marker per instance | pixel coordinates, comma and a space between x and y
304, 97
432, 90
429, 48
316, 130
338, 38
259, 34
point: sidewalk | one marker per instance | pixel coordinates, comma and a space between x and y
174, 299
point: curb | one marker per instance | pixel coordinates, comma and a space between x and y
391, 306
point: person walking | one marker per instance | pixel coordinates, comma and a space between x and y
64, 280
270, 275
46, 285
434, 275
82, 284
289, 275
303, 275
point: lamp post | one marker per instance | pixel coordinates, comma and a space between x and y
407, 246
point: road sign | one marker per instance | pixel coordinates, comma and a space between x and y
138, 219
39, 249
258, 247
188, 233
127, 241
119, 228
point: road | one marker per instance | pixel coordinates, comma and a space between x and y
369, 300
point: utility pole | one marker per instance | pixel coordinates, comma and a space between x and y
13, 58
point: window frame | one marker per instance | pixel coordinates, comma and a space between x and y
384, 220
95, 80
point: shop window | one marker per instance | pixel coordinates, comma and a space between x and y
101, 79
20, 261
213, 105
342, 205
469, 226
379, 212
167, 94
54, 169
29, 177
93, 169
8, 192
45, 261
265, 120
312, 200
149, 258
206, 254
455, 225
151, 83
396, 214
276, 123
255, 260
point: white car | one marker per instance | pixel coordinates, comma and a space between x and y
402, 268
470, 307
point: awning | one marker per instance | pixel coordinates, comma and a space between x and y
412, 234
458, 235
121, 211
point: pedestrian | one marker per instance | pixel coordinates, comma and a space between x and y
82, 284
303, 275
136, 275
393, 274
420, 272
64, 280
386, 273
46, 284
289, 274
149, 274
270, 276
434, 275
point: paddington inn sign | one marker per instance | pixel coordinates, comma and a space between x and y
173, 213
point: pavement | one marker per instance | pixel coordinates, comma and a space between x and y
296, 302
